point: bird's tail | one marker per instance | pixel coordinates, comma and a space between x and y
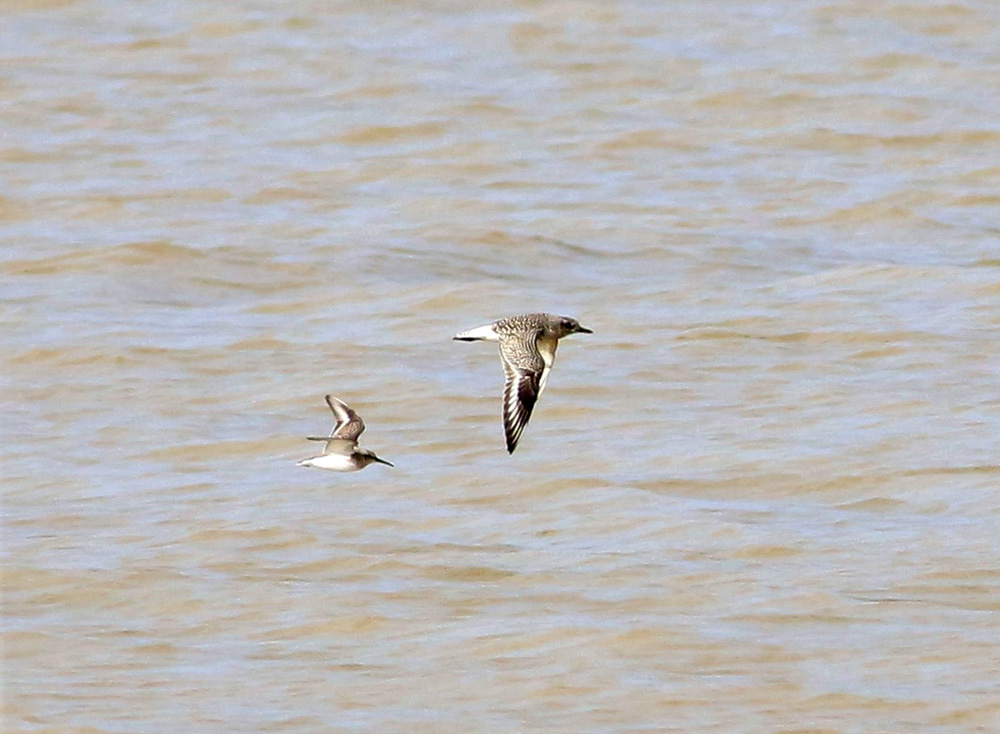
480, 333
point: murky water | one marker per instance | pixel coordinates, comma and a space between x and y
762, 497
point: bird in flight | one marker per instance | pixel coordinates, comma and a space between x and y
341, 452
527, 351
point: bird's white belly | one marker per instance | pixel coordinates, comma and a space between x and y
547, 349
335, 462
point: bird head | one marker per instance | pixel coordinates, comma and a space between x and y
565, 326
370, 456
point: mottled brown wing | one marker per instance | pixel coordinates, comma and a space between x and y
524, 371
349, 424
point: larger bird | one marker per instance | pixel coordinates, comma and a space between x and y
528, 351
342, 452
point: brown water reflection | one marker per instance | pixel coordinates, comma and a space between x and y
760, 499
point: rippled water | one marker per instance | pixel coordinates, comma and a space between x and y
762, 497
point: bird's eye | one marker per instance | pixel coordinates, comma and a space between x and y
567, 324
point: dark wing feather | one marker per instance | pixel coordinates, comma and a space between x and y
349, 424
519, 395
523, 368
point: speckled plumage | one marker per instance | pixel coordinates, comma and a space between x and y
527, 351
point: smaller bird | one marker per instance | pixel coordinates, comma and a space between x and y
341, 452
527, 351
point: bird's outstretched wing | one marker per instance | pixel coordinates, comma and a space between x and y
349, 424
525, 372
342, 446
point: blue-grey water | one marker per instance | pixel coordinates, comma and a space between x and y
762, 497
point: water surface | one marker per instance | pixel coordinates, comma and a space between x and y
761, 497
